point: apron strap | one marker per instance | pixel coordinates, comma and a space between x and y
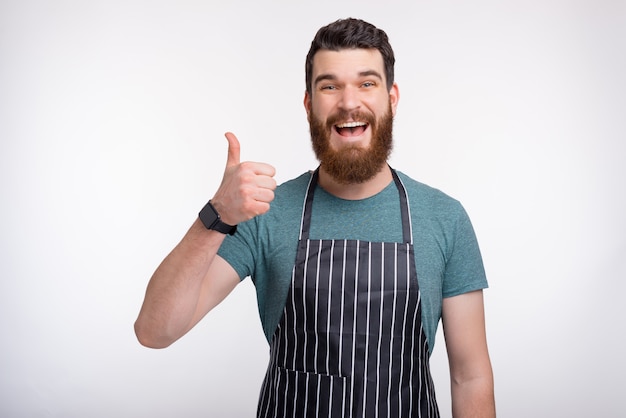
305, 224
405, 211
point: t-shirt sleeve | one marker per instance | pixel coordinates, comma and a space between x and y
238, 250
464, 270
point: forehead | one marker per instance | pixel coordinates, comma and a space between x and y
347, 62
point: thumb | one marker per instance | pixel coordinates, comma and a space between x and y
233, 149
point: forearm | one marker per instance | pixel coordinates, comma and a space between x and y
172, 295
471, 375
473, 398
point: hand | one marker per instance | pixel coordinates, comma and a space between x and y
247, 188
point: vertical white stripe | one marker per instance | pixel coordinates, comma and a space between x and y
296, 341
295, 398
287, 382
293, 307
276, 394
356, 281
380, 324
304, 292
329, 303
393, 325
343, 293
423, 380
330, 284
295, 326
404, 320
317, 301
367, 322
408, 255
306, 397
317, 403
285, 333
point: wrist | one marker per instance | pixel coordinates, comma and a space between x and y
211, 219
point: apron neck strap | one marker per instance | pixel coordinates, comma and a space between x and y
405, 212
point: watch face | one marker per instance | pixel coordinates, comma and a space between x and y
211, 220
208, 215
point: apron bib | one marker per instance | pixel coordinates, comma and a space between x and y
350, 342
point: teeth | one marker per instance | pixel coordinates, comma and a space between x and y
351, 124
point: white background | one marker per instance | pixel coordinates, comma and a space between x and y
112, 116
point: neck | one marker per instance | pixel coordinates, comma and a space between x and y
356, 191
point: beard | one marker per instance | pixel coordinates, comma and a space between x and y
352, 164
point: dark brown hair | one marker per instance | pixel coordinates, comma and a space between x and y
351, 33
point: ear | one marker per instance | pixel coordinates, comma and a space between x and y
307, 102
394, 98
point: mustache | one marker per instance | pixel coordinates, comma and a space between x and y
344, 115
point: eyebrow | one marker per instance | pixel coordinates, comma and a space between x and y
332, 77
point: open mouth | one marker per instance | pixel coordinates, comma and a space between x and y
349, 129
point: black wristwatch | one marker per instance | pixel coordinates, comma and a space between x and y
211, 220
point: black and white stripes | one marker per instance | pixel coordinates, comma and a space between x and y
350, 342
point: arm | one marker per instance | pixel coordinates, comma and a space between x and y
471, 377
192, 279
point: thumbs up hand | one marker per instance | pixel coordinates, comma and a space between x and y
247, 188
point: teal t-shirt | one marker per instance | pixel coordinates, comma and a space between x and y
447, 256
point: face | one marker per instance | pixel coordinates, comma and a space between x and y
350, 112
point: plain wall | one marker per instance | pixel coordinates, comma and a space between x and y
112, 115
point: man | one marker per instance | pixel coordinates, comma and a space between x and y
354, 263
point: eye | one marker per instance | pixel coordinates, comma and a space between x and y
368, 84
328, 87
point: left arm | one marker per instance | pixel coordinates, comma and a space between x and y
471, 377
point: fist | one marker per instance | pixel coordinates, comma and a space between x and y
247, 188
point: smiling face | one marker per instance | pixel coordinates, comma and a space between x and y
350, 112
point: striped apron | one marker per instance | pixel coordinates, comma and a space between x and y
350, 342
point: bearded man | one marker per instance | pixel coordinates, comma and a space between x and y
354, 263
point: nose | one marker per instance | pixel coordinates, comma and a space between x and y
349, 99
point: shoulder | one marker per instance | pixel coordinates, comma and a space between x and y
295, 185
291, 192
428, 198
437, 213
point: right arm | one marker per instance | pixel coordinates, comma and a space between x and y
193, 279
